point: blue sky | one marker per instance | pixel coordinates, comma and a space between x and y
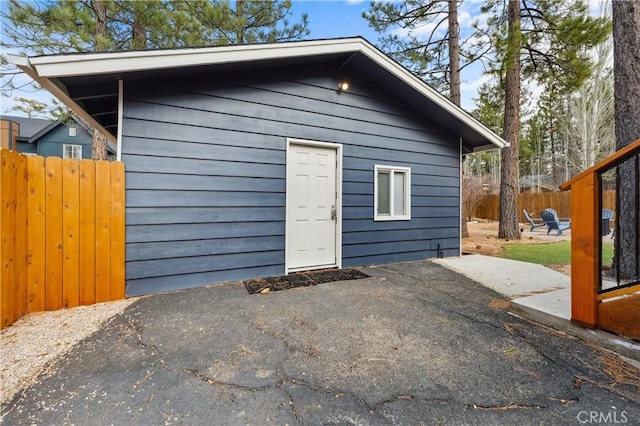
331, 18
334, 18
328, 19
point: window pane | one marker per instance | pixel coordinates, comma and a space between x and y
398, 194
383, 193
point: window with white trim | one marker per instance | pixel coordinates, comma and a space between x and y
392, 193
72, 151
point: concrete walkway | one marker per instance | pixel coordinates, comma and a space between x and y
537, 292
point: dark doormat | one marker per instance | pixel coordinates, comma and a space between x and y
302, 279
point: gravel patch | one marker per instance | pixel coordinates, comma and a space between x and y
33, 344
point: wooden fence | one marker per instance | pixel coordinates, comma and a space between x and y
62, 233
534, 203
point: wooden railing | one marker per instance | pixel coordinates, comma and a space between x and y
586, 240
62, 233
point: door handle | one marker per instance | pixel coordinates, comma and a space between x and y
333, 213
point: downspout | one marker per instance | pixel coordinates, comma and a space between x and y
120, 115
460, 202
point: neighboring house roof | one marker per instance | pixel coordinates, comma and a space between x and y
89, 83
29, 127
32, 129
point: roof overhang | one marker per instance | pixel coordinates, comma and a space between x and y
62, 74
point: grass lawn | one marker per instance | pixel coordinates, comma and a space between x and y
550, 253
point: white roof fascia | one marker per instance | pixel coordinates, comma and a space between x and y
42, 67
105, 63
24, 64
486, 147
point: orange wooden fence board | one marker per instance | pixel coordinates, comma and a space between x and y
53, 233
621, 316
585, 253
103, 232
6, 238
63, 237
20, 279
70, 230
87, 233
117, 231
35, 234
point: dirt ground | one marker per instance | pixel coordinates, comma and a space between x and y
483, 239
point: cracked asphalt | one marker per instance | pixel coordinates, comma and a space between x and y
414, 344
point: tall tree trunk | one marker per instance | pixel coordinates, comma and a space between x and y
99, 141
102, 34
240, 26
454, 93
99, 146
139, 30
509, 187
454, 53
626, 53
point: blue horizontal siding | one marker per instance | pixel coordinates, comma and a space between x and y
365, 237
416, 212
193, 264
203, 247
189, 166
359, 200
206, 163
139, 287
177, 215
162, 181
366, 225
202, 198
195, 231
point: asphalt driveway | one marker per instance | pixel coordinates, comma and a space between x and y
414, 344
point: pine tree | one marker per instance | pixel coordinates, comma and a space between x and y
33, 108
436, 56
545, 40
626, 40
43, 27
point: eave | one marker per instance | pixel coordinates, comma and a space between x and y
100, 73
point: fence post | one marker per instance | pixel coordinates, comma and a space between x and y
585, 250
7, 236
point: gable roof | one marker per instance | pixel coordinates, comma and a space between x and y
89, 83
29, 127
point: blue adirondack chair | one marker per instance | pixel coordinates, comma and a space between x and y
535, 223
550, 217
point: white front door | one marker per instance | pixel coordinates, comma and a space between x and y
312, 207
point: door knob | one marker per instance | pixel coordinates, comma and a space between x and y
333, 213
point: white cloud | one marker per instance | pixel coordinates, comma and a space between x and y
469, 89
423, 31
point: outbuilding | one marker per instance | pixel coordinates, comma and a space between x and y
257, 160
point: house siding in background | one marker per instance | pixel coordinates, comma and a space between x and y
51, 144
205, 159
37, 136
